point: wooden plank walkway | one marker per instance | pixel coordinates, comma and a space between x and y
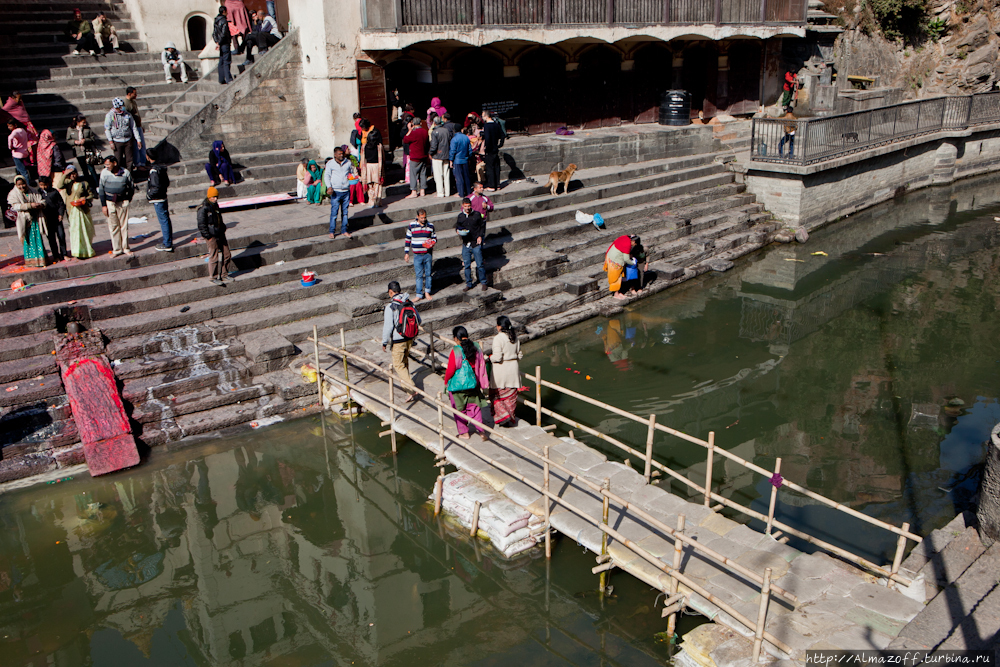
828, 604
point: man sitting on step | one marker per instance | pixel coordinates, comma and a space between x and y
173, 61
104, 32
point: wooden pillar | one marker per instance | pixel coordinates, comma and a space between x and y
774, 494
319, 376
678, 556
708, 471
649, 447
765, 597
548, 502
538, 395
604, 536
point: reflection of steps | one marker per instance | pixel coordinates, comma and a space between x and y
223, 360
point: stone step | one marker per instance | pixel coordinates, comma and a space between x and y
277, 305
27, 367
64, 48
33, 423
442, 213
200, 400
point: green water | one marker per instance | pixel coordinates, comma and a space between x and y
871, 371
285, 547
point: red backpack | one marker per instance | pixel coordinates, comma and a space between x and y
405, 322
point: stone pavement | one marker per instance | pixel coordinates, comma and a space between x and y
839, 606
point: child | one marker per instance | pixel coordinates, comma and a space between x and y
635, 278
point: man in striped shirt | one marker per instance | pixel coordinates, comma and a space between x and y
420, 240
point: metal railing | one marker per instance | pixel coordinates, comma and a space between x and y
774, 477
808, 141
675, 600
407, 15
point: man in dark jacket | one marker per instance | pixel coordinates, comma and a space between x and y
221, 36
472, 229
213, 230
55, 213
493, 138
156, 194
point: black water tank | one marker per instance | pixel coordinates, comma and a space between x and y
675, 108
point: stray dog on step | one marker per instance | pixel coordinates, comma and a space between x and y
850, 136
557, 177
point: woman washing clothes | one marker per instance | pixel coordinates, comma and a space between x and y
506, 373
466, 379
615, 260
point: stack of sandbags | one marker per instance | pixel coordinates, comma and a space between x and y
511, 529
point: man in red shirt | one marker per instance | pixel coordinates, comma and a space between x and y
419, 144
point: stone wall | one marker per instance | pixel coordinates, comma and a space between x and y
812, 196
261, 111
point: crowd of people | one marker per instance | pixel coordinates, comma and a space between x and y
237, 29
475, 381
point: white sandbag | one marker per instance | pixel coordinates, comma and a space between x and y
518, 547
507, 514
584, 218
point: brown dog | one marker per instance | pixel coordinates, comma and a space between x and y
557, 177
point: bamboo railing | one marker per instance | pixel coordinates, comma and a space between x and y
674, 602
777, 481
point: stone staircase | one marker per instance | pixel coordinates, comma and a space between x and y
195, 358
36, 59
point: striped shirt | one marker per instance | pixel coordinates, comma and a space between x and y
417, 235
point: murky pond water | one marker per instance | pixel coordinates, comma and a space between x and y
871, 370
291, 547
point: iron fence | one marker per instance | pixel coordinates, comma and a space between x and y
807, 141
411, 15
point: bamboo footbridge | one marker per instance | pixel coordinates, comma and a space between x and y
783, 601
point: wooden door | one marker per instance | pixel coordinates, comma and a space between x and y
744, 78
373, 97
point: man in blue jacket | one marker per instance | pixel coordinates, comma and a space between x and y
461, 150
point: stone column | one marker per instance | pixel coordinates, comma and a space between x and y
988, 512
329, 40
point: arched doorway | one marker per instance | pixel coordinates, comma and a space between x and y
543, 90
699, 76
597, 89
197, 32
652, 75
744, 77
477, 80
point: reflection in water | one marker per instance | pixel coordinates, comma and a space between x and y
871, 371
289, 546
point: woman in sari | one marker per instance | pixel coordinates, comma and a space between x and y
316, 189
466, 379
50, 158
615, 260
30, 223
506, 373
79, 195
219, 166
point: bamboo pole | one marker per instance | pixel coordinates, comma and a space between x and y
730, 564
678, 555
733, 457
475, 520
606, 486
347, 377
538, 397
708, 468
843, 553
545, 486
430, 332
765, 597
900, 547
612, 533
438, 492
319, 376
440, 423
774, 496
621, 445
649, 447
392, 415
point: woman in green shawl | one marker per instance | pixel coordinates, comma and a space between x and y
30, 223
316, 190
81, 226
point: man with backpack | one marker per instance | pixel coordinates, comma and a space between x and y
156, 193
400, 326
